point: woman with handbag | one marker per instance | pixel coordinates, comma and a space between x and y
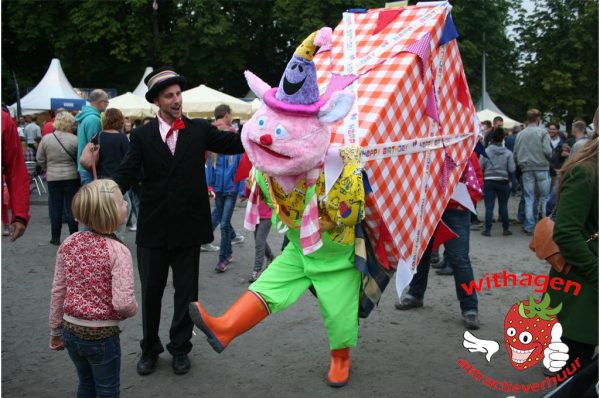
57, 155
576, 234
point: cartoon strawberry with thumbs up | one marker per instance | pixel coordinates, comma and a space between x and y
532, 333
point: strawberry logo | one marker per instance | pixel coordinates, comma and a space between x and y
527, 331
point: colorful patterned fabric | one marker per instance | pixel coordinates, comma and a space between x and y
310, 231
413, 107
375, 277
344, 204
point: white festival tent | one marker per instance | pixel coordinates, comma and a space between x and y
488, 114
141, 88
52, 92
201, 101
256, 104
133, 106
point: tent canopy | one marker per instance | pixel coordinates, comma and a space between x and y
141, 88
256, 104
54, 85
201, 101
133, 106
488, 114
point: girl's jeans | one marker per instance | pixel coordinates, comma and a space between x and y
491, 190
98, 364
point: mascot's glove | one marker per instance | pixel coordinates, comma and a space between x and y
350, 155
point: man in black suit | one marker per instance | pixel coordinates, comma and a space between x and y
174, 218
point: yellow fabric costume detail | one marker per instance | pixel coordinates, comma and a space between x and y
344, 204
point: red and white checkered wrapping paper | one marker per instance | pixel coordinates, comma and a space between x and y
390, 111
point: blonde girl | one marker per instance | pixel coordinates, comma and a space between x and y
93, 290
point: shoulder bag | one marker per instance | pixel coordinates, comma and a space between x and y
545, 248
91, 154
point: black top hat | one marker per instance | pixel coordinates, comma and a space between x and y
161, 78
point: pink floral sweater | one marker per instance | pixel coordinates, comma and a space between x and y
93, 282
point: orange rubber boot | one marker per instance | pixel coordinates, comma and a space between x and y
248, 311
339, 370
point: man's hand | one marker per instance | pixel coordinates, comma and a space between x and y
211, 195
17, 229
243, 199
56, 343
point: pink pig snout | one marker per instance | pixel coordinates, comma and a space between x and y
266, 139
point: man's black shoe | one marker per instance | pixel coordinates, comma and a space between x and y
181, 364
408, 303
146, 364
447, 270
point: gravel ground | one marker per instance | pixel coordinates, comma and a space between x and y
412, 353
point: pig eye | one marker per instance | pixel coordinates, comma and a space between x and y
281, 132
300, 69
525, 337
261, 122
511, 332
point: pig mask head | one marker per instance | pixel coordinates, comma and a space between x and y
288, 135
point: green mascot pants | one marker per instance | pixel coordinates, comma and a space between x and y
331, 271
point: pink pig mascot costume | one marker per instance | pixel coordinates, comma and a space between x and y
287, 141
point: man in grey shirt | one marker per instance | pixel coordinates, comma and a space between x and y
32, 131
578, 131
532, 154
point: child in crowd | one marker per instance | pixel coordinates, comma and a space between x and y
261, 233
93, 290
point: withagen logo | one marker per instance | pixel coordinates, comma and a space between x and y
529, 328
531, 334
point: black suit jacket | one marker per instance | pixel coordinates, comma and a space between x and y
174, 205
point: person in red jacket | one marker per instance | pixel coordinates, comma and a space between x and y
17, 178
457, 217
48, 127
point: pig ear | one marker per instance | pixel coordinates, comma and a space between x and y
337, 107
256, 85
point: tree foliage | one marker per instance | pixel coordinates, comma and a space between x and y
559, 44
551, 65
482, 26
108, 44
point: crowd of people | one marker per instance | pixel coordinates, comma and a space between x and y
163, 175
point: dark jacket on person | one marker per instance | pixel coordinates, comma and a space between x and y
113, 147
556, 161
174, 204
576, 222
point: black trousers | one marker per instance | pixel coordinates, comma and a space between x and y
153, 265
583, 351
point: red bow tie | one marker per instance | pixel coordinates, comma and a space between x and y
177, 125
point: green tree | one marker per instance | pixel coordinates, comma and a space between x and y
108, 44
559, 44
483, 26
